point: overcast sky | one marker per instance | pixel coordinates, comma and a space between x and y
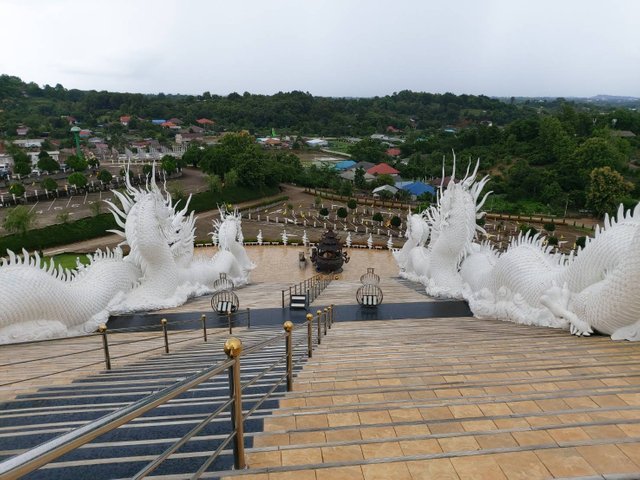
326, 47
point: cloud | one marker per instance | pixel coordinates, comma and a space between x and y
328, 47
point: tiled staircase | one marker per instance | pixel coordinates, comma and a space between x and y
33, 418
455, 398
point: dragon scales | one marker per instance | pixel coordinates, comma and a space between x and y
160, 271
593, 290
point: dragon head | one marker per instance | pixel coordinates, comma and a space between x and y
171, 227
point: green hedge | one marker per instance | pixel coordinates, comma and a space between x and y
59, 234
204, 201
93, 227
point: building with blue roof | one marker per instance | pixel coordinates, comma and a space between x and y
345, 165
418, 188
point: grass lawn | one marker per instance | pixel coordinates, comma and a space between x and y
67, 260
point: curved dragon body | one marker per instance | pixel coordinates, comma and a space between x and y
160, 271
60, 302
594, 290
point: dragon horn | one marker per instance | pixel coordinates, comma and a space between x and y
475, 170
453, 171
481, 204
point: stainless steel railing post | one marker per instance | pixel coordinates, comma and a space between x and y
163, 322
204, 326
288, 327
233, 349
105, 344
309, 335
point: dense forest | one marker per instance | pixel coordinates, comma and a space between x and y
296, 112
543, 155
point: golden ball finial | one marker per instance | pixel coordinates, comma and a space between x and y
102, 328
233, 347
288, 326
163, 321
309, 317
326, 310
319, 312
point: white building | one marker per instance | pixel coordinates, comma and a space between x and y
317, 142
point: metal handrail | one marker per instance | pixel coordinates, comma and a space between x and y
105, 348
41, 455
311, 286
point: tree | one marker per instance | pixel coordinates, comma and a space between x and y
377, 217
251, 172
19, 220
77, 164
550, 227
194, 154
358, 178
368, 150
92, 161
346, 188
46, 163
554, 144
49, 184
19, 156
396, 221
168, 164
77, 179
214, 183
324, 211
231, 178
607, 188
22, 168
342, 212
352, 204
384, 179
177, 193
598, 152
105, 176
17, 189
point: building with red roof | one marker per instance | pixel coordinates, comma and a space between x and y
383, 169
205, 121
393, 152
125, 119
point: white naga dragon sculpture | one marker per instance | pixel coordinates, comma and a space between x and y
594, 290
451, 226
161, 239
160, 271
